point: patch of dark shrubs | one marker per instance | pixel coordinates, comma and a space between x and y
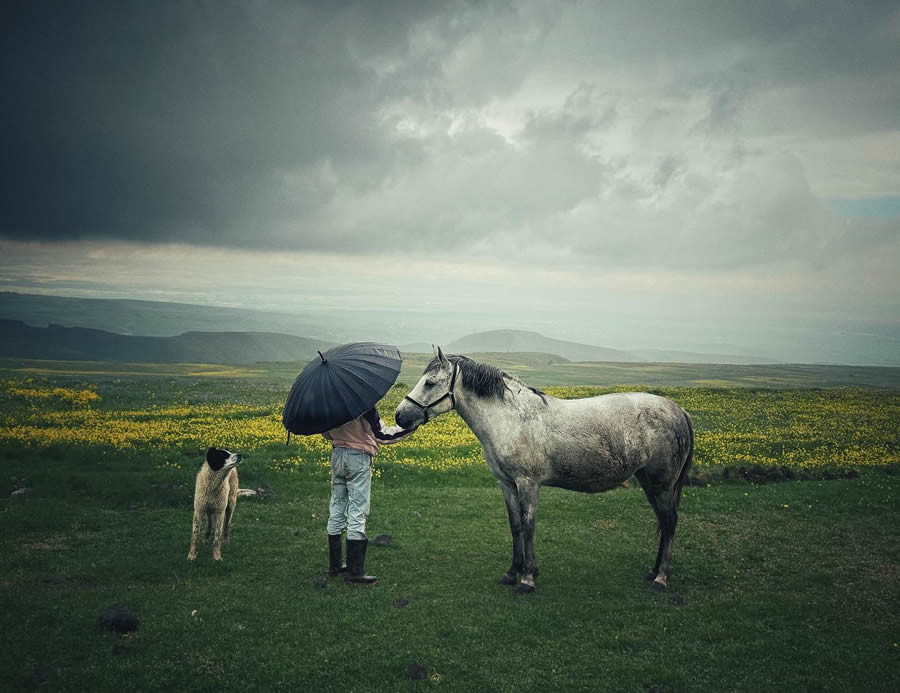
766, 474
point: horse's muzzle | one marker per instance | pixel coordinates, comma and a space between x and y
406, 415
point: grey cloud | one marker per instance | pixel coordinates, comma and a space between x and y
631, 133
586, 110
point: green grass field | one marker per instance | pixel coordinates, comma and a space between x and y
789, 585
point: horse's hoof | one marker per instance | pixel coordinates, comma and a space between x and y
658, 584
524, 588
650, 577
508, 579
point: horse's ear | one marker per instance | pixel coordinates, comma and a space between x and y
434, 350
441, 356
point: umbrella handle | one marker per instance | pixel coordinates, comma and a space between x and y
322, 357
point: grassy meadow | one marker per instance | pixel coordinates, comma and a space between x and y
789, 585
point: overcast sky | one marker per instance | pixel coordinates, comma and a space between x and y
671, 174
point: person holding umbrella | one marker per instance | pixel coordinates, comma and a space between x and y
353, 446
335, 395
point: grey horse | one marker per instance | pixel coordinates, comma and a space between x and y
531, 439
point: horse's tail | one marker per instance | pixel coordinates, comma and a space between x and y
683, 476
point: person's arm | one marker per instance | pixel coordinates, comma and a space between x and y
385, 435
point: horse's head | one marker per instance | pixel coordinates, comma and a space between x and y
432, 395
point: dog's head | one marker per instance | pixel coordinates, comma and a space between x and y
222, 460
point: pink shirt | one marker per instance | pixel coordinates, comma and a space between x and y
365, 433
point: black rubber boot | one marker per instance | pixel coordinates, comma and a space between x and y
356, 558
335, 565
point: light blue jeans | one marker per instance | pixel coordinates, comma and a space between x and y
351, 486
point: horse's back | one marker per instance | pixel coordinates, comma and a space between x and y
621, 409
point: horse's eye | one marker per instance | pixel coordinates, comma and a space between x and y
430, 383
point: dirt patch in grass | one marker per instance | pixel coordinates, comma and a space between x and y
55, 542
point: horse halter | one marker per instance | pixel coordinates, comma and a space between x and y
449, 393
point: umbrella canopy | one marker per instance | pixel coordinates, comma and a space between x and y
339, 385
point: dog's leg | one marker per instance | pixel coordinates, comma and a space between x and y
227, 524
195, 534
217, 538
209, 524
232, 501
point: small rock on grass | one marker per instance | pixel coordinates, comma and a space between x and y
400, 602
118, 620
416, 672
383, 540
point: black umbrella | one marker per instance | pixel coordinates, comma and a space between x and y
339, 385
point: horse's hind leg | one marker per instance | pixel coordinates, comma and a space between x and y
664, 502
511, 496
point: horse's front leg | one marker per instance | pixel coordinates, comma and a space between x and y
511, 496
528, 498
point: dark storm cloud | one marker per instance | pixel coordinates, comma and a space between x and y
623, 130
161, 120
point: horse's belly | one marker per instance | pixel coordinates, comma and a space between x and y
585, 485
587, 475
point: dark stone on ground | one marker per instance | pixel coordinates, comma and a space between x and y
383, 540
416, 672
264, 492
118, 620
400, 602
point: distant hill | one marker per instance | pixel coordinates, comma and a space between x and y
79, 343
415, 348
524, 341
168, 319
152, 318
670, 356
521, 340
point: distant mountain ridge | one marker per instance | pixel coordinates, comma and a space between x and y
85, 344
151, 318
523, 340
158, 319
527, 341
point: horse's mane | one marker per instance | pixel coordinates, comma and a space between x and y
482, 379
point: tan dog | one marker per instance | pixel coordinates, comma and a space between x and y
215, 494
